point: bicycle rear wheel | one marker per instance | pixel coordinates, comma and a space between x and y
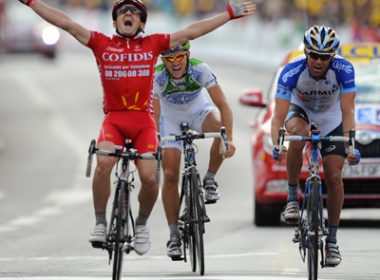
198, 216
313, 233
119, 229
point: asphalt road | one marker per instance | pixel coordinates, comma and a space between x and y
49, 112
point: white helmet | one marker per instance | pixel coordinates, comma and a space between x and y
321, 39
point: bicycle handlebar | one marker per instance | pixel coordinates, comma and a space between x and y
120, 152
316, 138
189, 135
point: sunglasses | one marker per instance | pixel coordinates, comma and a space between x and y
133, 10
177, 58
323, 57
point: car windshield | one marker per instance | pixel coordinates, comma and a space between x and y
368, 82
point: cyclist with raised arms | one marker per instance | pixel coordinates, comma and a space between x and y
126, 64
318, 86
179, 95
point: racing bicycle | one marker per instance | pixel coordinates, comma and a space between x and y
121, 232
311, 227
192, 221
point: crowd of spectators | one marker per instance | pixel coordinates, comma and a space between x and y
362, 15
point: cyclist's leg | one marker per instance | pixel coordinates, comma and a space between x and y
332, 166
333, 161
296, 123
146, 141
170, 194
209, 121
212, 123
171, 162
101, 181
170, 198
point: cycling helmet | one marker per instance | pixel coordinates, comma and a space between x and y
137, 3
321, 39
182, 47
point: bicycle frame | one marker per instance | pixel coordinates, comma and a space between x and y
192, 228
121, 231
311, 227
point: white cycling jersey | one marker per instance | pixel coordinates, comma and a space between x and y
183, 99
320, 99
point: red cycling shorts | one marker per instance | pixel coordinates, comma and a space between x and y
137, 126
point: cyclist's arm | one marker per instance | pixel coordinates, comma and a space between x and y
205, 26
280, 111
347, 104
157, 112
62, 21
220, 101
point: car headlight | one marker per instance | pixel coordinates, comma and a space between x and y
50, 35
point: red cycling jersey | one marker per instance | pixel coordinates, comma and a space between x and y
126, 69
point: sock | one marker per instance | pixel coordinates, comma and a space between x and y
173, 230
292, 194
141, 220
331, 237
209, 175
100, 218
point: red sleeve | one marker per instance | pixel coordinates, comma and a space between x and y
95, 39
161, 41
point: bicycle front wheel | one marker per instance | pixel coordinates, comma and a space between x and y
313, 233
191, 242
198, 216
119, 233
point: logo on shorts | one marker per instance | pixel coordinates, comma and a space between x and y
330, 149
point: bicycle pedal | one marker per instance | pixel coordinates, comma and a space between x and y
180, 258
98, 245
210, 201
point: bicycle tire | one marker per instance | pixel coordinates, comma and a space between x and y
190, 219
313, 234
198, 215
119, 234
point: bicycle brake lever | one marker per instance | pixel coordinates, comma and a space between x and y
91, 151
224, 139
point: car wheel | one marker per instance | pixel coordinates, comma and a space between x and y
266, 216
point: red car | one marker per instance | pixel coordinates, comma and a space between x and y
361, 182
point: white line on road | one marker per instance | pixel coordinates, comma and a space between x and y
131, 257
233, 277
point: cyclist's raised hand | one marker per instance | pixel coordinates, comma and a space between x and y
279, 155
238, 8
28, 2
353, 158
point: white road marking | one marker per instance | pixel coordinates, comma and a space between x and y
131, 257
205, 277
